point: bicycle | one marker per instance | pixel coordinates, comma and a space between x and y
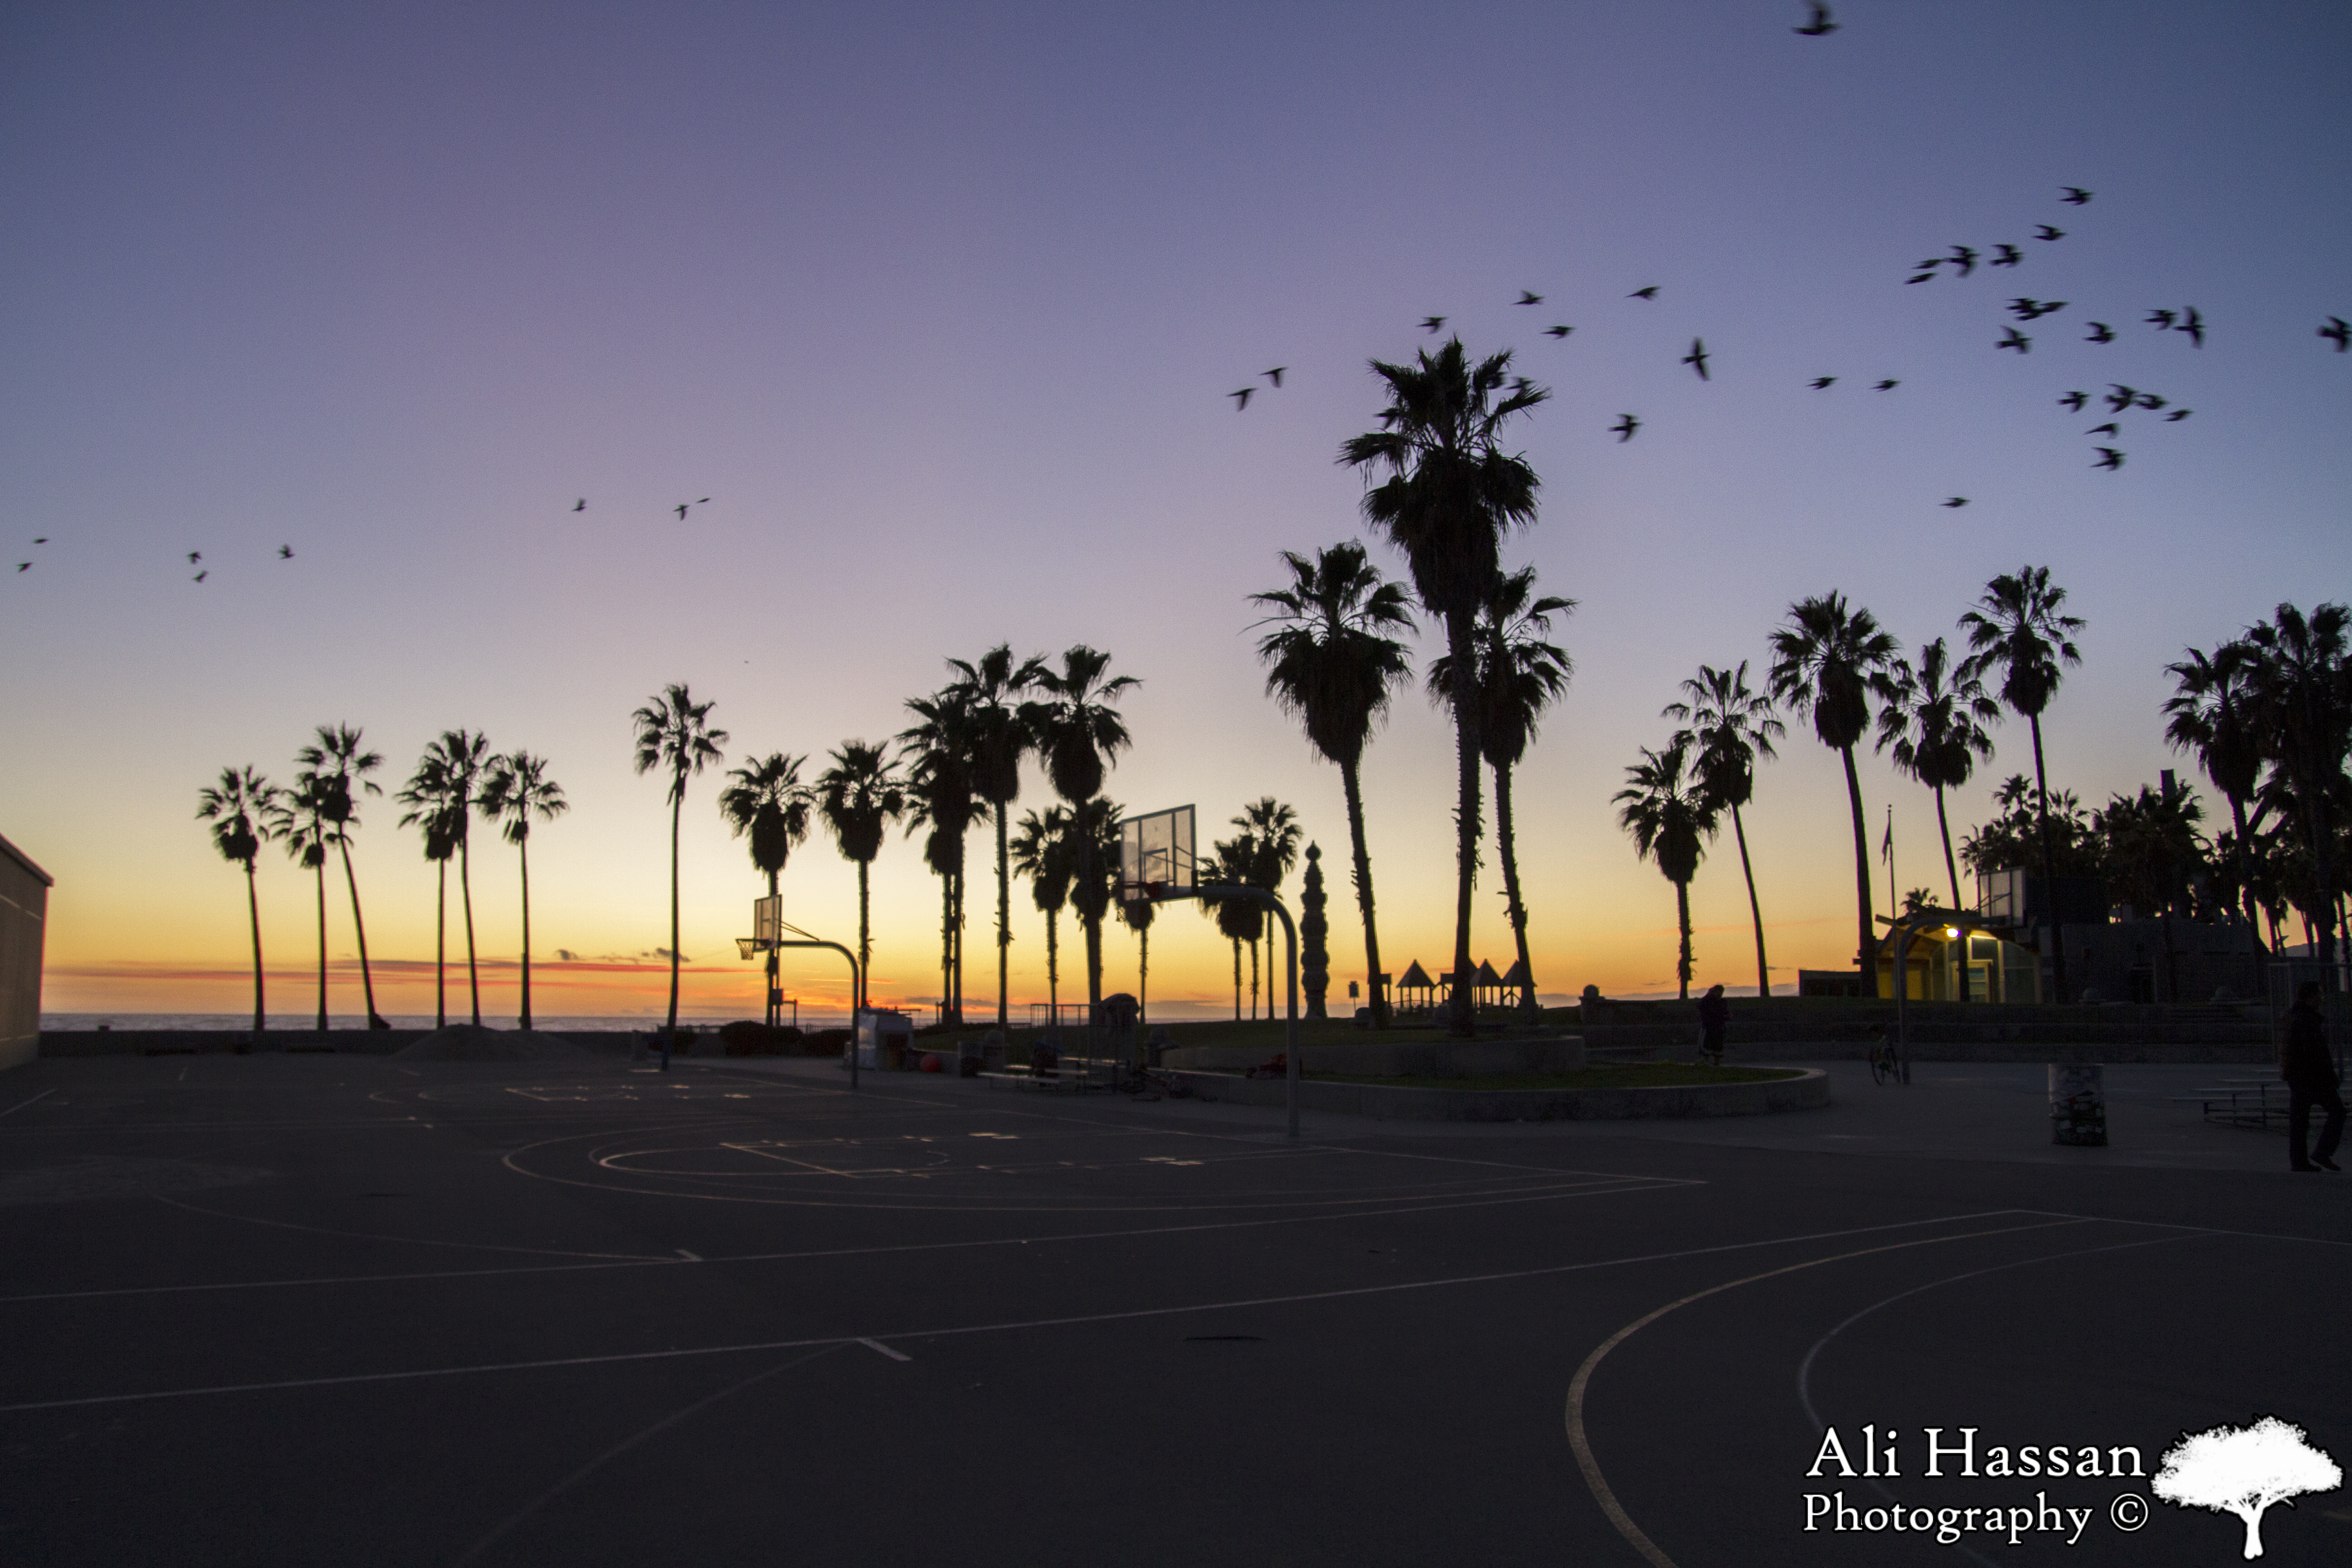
1887, 1063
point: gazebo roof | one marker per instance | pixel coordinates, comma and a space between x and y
1415, 978
1516, 979
1485, 975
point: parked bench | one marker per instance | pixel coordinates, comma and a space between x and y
2230, 1101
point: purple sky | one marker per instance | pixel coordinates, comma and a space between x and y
940, 305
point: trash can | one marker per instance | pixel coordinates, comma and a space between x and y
2078, 1107
883, 1039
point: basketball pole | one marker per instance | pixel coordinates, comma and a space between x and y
856, 991
1290, 946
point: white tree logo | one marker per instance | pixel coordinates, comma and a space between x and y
2243, 1470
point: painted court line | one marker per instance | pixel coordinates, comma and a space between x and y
886, 1350
1072, 1321
35, 1100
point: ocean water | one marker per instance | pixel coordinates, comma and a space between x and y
304, 1021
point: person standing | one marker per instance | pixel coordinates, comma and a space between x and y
2310, 1081
1713, 1017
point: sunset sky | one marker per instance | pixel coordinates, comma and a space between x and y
940, 305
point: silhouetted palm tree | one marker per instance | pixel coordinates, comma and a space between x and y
1669, 814
859, 797
998, 741
299, 819
2016, 629
2303, 682
1094, 880
464, 754
1079, 735
2212, 714
1271, 831
1933, 716
1825, 659
1517, 676
1238, 920
1729, 727
1138, 914
1451, 491
241, 808
1331, 664
675, 734
438, 806
339, 765
940, 787
515, 789
768, 802
1041, 852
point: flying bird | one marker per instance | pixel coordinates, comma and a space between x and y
1697, 359
1964, 258
2016, 340
680, 509
1558, 331
2074, 400
2122, 398
1274, 375
43, 540
2177, 415
2047, 232
286, 553
2193, 324
704, 501
1821, 26
2109, 430
1920, 278
2337, 333
1821, 383
1649, 291
202, 575
1956, 501
1432, 323
194, 556
2010, 257
2035, 309
1624, 427
1241, 399
2075, 195
1933, 262
24, 566
1528, 297
2151, 402
2109, 458
2161, 317
2101, 333
1886, 386
580, 505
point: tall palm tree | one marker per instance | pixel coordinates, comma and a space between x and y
2019, 629
675, 734
339, 765
1669, 814
1079, 734
1450, 492
768, 802
515, 789
1138, 915
939, 753
999, 740
1517, 676
1825, 658
2211, 715
859, 797
1729, 727
1041, 852
1271, 830
241, 808
1094, 880
299, 818
1330, 662
1238, 920
1933, 716
464, 754
2303, 677
442, 810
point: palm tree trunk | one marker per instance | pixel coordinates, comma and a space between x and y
1254, 980
946, 946
1237, 980
322, 939
1518, 910
1093, 963
1052, 970
1143, 975
865, 942
2245, 858
1754, 909
1004, 916
1462, 1011
522, 848
2049, 867
677, 810
1363, 871
773, 1010
367, 985
253, 902
465, 898
1865, 944
440, 943
1951, 866
1681, 918
955, 935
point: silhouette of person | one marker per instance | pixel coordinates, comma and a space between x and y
2310, 1081
1714, 1015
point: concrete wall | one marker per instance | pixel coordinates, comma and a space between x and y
1421, 1059
24, 919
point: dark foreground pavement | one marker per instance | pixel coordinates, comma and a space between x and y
271, 1310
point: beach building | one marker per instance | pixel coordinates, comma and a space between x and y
1951, 964
23, 915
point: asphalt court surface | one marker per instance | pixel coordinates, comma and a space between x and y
311, 1309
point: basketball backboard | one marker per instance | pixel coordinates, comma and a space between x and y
1155, 855
767, 917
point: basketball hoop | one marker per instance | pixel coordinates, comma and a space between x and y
1155, 855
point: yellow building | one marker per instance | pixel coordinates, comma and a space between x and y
1948, 963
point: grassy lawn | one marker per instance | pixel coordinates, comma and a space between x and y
1632, 1075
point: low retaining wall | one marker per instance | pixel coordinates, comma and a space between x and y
1384, 1102
338, 1042
1382, 1059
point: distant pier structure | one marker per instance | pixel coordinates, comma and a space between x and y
24, 914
